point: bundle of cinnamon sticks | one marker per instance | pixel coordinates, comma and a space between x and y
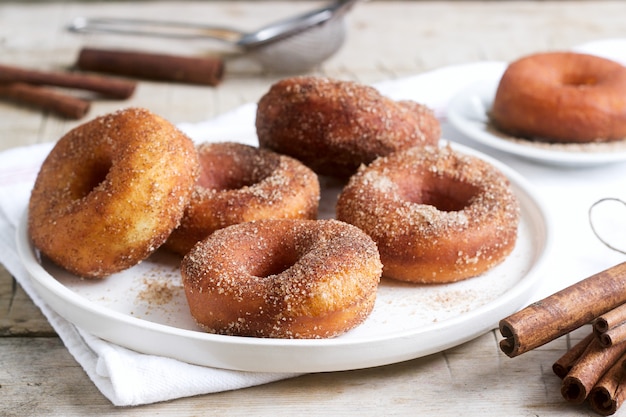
594, 369
32, 87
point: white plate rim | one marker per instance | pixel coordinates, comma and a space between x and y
612, 48
467, 112
296, 356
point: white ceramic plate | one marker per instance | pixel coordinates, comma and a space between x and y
468, 113
144, 308
614, 49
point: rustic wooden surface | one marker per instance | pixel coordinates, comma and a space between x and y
387, 39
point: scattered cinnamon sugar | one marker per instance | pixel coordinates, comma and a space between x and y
590, 147
158, 292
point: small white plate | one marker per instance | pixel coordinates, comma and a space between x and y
614, 49
144, 308
468, 113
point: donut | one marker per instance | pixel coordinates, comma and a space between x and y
111, 191
436, 215
335, 126
562, 97
240, 183
282, 278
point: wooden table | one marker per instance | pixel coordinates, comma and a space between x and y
387, 39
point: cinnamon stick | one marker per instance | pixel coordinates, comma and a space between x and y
121, 89
152, 66
612, 336
610, 319
609, 393
595, 361
564, 364
564, 311
45, 98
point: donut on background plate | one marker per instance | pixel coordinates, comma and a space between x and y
562, 97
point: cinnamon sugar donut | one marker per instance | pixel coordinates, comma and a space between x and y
562, 97
111, 191
436, 215
240, 183
335, 126
282, 278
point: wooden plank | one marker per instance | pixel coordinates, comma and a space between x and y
18, 315
470, 380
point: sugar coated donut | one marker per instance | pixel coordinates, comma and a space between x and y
335, 126
282, 278
562, 97
436, 215
240, 183
111, 191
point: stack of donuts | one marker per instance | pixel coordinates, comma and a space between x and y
256, 260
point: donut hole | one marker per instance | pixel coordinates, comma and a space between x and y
444, 193
94, 174
579, 79
274, 264
222, 172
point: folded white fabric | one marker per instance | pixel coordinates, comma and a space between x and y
128, 378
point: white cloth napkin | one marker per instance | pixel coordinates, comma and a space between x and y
129, 378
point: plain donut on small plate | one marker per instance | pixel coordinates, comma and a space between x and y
562, 97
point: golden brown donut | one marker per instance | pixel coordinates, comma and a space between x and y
240, 183
564, 97
334, 126
111, 191
282, 278
436, 215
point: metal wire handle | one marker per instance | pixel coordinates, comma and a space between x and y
155, 28
595, 232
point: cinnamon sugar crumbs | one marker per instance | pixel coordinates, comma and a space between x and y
588, 147
158, 292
